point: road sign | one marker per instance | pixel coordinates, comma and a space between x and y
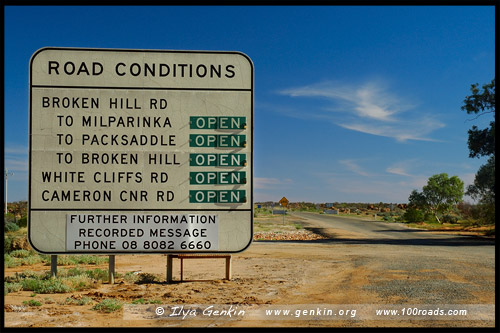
284, 202
139, 151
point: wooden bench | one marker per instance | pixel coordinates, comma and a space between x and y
181, 257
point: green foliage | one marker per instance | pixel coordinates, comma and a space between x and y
9, 218
485, 213
146, 301
481, 142
21, 253
483, 188
11, 226
84, 300
84, 259
14, 240
95, 274
261, 211
23, 222
388, 218
9, 261
49, 286
439, 196
108, 305
21, 258
130, 277
413, 215
147, 278
72, 279
7, 243
9, 287
417, 200
32, 302
448, 218
430, 218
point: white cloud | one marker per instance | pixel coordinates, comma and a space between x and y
397, 171
16, 150
370, 108
401, 131
16, 165
403, 168
354, 167
16, 158
269, 183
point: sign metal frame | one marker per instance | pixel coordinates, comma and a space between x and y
33, 224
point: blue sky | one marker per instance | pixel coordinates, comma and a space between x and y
352, 104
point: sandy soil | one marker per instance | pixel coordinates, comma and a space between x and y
269, 274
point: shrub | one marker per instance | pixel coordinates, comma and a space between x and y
11, 226
19, 276
413, 215
146, 301
147, 278
430, 218
485, 214
32, 302
50, 286
7, 244
21, 253
449, 219
9, 261
388, 219
84, 300
130, 277
65, 260
21, 257
23, 222
108, 305
31, 260
79, 282
15, 241
9, 218
9, 287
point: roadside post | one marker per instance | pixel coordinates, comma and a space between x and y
140, 152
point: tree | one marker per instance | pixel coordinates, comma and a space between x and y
481, 142
439, 196
417, 200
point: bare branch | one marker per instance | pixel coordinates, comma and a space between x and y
479, 115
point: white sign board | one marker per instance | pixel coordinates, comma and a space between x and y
140, 151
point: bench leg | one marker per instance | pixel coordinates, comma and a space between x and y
228, 268
182, 269
169, 268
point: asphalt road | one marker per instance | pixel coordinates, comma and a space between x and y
373, 232
430, 267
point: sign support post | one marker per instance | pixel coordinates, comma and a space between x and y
284, 212
111, 269
284, 203
53, 266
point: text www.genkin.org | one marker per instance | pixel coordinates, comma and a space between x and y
316, 312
